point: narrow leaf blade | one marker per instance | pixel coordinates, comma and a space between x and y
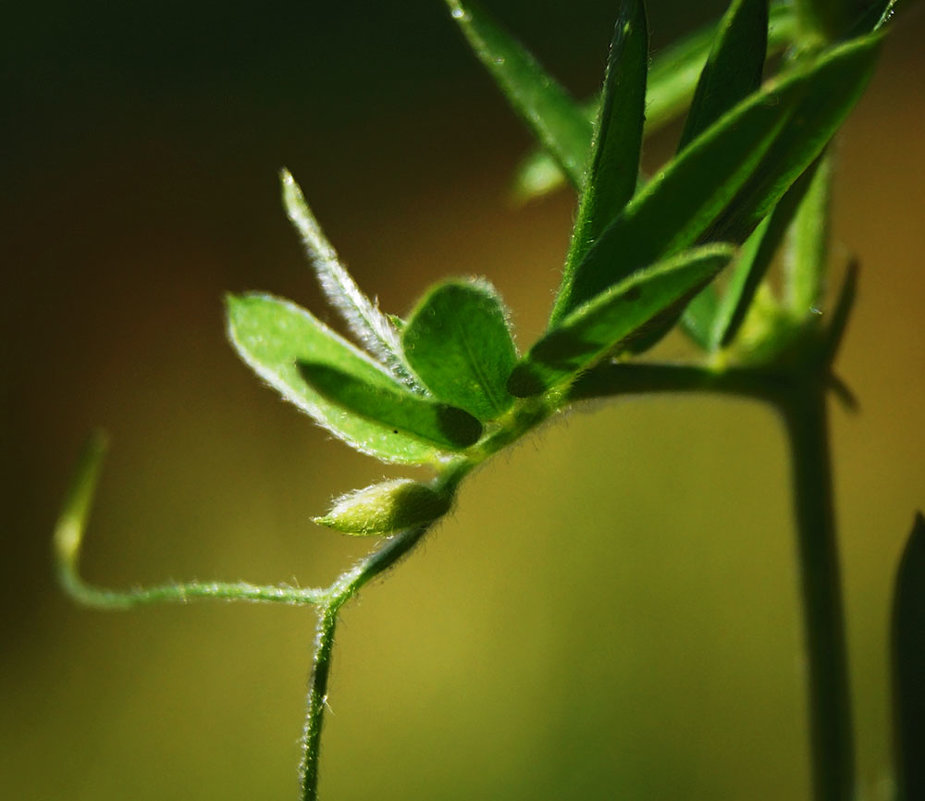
908, 656
458, 343
393, 407
731, 176
610, 320
808, 244
548, 110
754, 260
370, 326
672, 79
835, 82
271, 335
733, 69
617, 141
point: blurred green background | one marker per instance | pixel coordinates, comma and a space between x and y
611, 612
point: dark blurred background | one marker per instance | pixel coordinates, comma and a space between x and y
611, 613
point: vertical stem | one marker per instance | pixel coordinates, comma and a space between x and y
804, 411
317, 700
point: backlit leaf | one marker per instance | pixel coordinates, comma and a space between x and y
548, 110
458, 343
271, 335
807, 251
672, 78
608, 321
722, 185
836, 80
372, 328
393, 406
733, 69
615, 147
754, 260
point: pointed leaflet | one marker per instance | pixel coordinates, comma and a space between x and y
841, 314
270, 335
610, 319
808, 245
393, 406
732, 72
617, 141
908, 658
458, 343
386, 507
673, 76
733, 69
731, 176
550, 112
372, 328
837, 80
754, 260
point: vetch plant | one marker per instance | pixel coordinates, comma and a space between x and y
690, 246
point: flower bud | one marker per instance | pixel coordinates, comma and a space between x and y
386, 507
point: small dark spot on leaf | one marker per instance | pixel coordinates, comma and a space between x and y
632, 294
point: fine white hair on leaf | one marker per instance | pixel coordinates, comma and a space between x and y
366, 322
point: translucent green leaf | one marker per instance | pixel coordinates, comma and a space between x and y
386, 507
841, 313
808, 244
550, 112
699, 315
372, 328
754, 260
824, 21
617, 141
733, 69
722, 185
458, 343
673, 76
393, 406
271, 335
835, 81
608, 321
908, 656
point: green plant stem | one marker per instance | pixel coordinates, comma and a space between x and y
317, 700
341, 591
799, 396
806, 420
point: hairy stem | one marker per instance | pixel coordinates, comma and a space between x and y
341, 591
317, 700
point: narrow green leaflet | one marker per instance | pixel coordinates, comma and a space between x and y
458, 343
754, 260
551, 113
674, 209
271, 335
722, 185
393, 406
617, 141
673, 76
841, 313
733, 69
372, 328
835, 83
808, 245
908, 656
386, 507
698, 317
610, 320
